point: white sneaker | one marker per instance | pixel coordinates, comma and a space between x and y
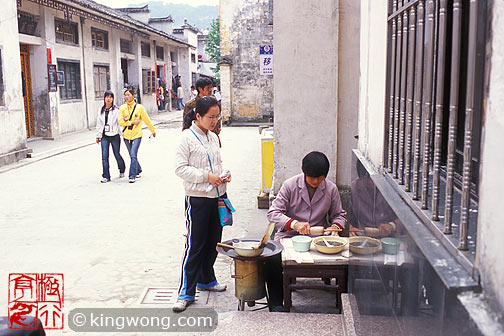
132, 180
181, 305
138, 176
105, 180
121, 175
216, 288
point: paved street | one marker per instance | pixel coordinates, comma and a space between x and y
113, 240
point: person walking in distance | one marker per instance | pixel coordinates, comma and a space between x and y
198, 162
109, 133
131, 115
194, 92
204, 88
180, 97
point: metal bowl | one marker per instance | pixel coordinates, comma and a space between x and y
272, 248
245, 249
366, 245
332, 249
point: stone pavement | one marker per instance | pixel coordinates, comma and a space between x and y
45, 148
112, 241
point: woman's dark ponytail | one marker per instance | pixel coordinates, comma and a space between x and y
202, 106
188, 119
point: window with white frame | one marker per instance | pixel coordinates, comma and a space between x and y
72, 87
101, 79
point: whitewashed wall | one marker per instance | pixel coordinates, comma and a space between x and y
348, 87
491, 217
12, 127
184, 61
71, 113
305, 84
373, 61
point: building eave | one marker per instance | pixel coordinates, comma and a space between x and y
118, 17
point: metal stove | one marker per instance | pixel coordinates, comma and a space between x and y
249, 277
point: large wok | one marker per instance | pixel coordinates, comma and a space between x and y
251, 248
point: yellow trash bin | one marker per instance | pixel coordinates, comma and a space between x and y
267, 162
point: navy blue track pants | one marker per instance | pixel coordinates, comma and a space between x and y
204, 231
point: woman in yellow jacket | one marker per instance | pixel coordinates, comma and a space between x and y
130, 118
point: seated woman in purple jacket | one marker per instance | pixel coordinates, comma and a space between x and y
305, 200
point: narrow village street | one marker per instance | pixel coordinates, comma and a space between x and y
369, 130
113, 240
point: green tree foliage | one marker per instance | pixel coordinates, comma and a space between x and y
213, 46
213, 42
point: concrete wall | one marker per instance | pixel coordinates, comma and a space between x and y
348, 87
184, 70
44, 102
373, 64
244, 28
92, 57
306, 84
71, 113
147, 63
12, 127
491, 217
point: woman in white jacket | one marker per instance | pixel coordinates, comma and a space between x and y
108, 133
198, 163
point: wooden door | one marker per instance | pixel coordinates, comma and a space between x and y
27, 90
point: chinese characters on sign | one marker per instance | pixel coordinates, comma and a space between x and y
52, 77
35, 296
266, 59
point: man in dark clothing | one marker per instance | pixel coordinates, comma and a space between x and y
204, 86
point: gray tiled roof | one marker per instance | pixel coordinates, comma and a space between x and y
161, 19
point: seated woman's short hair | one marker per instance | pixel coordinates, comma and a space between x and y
315, 164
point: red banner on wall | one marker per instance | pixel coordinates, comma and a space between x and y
49, 56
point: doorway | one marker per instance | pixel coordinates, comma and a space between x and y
27, 90
124, 69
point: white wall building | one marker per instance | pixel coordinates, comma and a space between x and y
189, 58
12, 128
73, 51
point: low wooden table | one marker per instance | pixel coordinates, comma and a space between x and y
313, 264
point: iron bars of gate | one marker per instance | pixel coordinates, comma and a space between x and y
435, 83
